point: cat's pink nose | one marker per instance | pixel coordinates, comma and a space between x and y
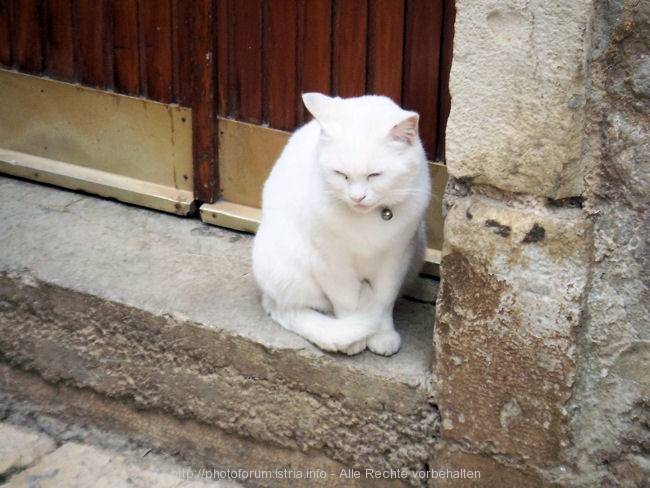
357, 199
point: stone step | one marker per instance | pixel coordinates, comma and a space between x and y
154, 320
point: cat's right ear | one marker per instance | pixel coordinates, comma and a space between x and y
322, 107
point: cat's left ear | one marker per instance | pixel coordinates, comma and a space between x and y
406, 131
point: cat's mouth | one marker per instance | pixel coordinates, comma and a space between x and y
363, 209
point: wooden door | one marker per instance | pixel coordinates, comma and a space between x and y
240, 66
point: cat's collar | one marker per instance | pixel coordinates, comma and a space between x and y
386, 213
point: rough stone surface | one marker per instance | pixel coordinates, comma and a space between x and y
491, 471
518, 91
509, 306
162, 313
549, 132
194, 372
612, 403
70, 414
31, 458
77, 465
20, 448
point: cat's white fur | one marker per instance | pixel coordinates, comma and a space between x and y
329, 266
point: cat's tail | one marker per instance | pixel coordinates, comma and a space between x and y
346, 334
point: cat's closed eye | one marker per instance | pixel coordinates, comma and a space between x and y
341, 173
373, 175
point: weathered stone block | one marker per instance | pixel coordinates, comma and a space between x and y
454, 468
509, 304
518, 90
612, 401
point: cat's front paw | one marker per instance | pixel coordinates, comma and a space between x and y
348, 348
354, 348
385, 343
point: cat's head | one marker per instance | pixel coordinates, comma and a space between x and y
369, 150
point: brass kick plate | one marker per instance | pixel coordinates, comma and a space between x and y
132, 149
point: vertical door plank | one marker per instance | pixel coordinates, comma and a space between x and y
280, 64
316, 47
245, 82
204, 120
28, 50
349, 70
6, 37
422, 66
125, 46
444, 103
315, 50
92, 23
156, 18
385, 48
59, 41
223, 23
181, 47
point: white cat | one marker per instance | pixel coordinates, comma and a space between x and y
343, 223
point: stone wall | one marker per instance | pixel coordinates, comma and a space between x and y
542, 332
612, 407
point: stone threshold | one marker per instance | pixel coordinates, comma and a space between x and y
158, 313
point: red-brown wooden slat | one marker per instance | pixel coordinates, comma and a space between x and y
59, 41
181, 48
28, 51
126, 53
245, 82
444, 100
280, 62
223, 24
92, 22
385, 48
349, 70
204, 106
316, 48
421, 66
142, 54
109, 61
6, 37
156, 18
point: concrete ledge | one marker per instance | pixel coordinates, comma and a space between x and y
162, 314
